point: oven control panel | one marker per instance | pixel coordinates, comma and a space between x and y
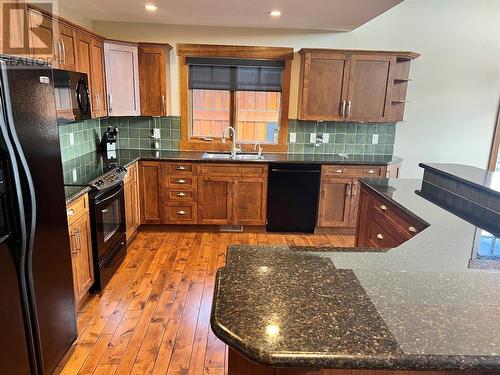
110, 179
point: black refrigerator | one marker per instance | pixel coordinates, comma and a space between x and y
37, 309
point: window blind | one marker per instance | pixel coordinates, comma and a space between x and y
235, 74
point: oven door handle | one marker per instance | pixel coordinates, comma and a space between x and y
99, 201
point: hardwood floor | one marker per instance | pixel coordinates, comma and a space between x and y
153, 317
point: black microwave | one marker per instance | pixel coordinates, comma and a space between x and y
72, 96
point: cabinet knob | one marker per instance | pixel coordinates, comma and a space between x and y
70, 212
181, 194
181, 212
181, 181
383, 207
380, 236
180, 168
412, 229
338, 171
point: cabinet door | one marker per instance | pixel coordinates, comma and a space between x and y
81, 249
324, 86
354, 203
98, 82
129, 208
66, 41
136, 211
334, 202
249, 201
153, 80
370, 85
150, 180
84, 47
122, 79
13, 28
215, 200
42, 38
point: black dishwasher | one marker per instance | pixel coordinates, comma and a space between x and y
293, 197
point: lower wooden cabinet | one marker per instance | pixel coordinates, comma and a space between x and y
340, 190
382, 224
132, 201
149, 186
81, 247
215, 200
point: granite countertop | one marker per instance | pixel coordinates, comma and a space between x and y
74, 192
80, 171
433, 303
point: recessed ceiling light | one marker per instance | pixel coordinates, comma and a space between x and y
275, 13
151, 7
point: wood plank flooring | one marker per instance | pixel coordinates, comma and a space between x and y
153, 317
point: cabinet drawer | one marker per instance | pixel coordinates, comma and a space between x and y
353, 171
181, 182
180, 213
180, 168
407, 224
75, 209
233, 170
379, 236
180, 195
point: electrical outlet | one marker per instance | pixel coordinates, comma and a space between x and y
156, 133
312, 138
293, 137
326, 137
375, 139
71, 139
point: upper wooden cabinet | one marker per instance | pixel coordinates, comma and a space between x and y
358, 86
122, 78
66, 43
153, 78
13, 26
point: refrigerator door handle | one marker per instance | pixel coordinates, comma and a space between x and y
29, 233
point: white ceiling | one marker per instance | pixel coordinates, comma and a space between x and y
339, 15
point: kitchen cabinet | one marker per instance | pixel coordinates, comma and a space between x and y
13, 28
65, 41
81, 247
382, 224
339, 193
149, 190
179, 193
232, 194
122, 78
350, 85
42, 37
132, 201
153, 78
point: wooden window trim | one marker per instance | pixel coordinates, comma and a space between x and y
495, 144
253, 52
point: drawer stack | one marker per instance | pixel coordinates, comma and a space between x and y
179, 193
383, 224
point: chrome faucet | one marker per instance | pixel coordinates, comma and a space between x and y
259, 147
234, 148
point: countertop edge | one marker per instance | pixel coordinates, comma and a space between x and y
78, 194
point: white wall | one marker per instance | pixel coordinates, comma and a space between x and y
453, 99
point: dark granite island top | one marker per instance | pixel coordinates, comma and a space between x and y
430, 304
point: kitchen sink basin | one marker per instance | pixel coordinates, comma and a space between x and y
226, 155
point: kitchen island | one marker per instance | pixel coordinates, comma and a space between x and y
431, 305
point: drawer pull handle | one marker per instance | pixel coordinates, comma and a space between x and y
70, 212
180, 168
371, 171
181, 212
383, 207
338, 171
380, 236
412, 229
181, 194
181, 181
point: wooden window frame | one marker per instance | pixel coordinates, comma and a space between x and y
244, 52
495, 144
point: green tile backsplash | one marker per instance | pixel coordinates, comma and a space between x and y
86, 136
344, 137
135, 132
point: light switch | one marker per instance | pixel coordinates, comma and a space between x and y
375, 139
293, 137
312, 138
326, 137
71, 139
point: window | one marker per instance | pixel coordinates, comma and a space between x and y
248, 90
